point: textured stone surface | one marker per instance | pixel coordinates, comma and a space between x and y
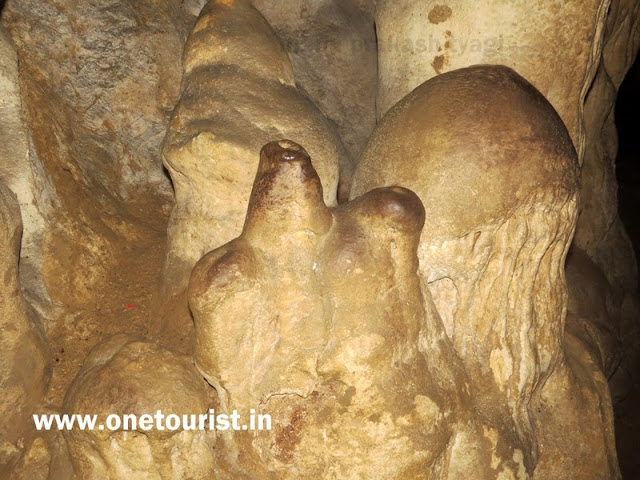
127, 375
234, 100
98, 81
578, 385
496, 170
333, 51
16, 171
115, 54
315, 316
575, 53
556, 46
600, 232
372, 364
24, 364
14, 134
332, 46
592, 301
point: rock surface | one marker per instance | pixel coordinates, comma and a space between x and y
496, 169
234, 100
600, 232
332, 46
578, 388
24, 364
16, 171
379, 349
95, 157
555, 46
98, 80
575, 53
315, 316
127, 375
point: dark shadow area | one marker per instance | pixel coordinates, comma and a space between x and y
627, 114
628, 161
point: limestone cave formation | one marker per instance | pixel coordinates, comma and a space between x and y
399, 232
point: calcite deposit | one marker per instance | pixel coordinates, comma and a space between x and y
16, 171
98, 81
578, 385
600, 232
386, 229
555, 46
238, 93
24, 364
126, 375
494, 263
575, 53
315, 316
332, 46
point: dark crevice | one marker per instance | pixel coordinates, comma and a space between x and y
627, 116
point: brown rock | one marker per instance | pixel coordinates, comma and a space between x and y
235, 99
576, 396
575, 53
592, 303
127, 375
600, 232
98, 81
496, 170
34, 465
16, 171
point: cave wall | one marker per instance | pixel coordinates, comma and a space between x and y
394, 270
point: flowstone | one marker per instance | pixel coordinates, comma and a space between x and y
494, 164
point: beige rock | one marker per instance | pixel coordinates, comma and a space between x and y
235, 98
127, 375
332, 45
576, 53
24, 364
315, 316
114, 55
599, 231
34, 464
576, 396
556, 46
16, 170
496, 170
15, 149
333, 51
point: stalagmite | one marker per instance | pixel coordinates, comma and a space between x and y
238, 94
315, 316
